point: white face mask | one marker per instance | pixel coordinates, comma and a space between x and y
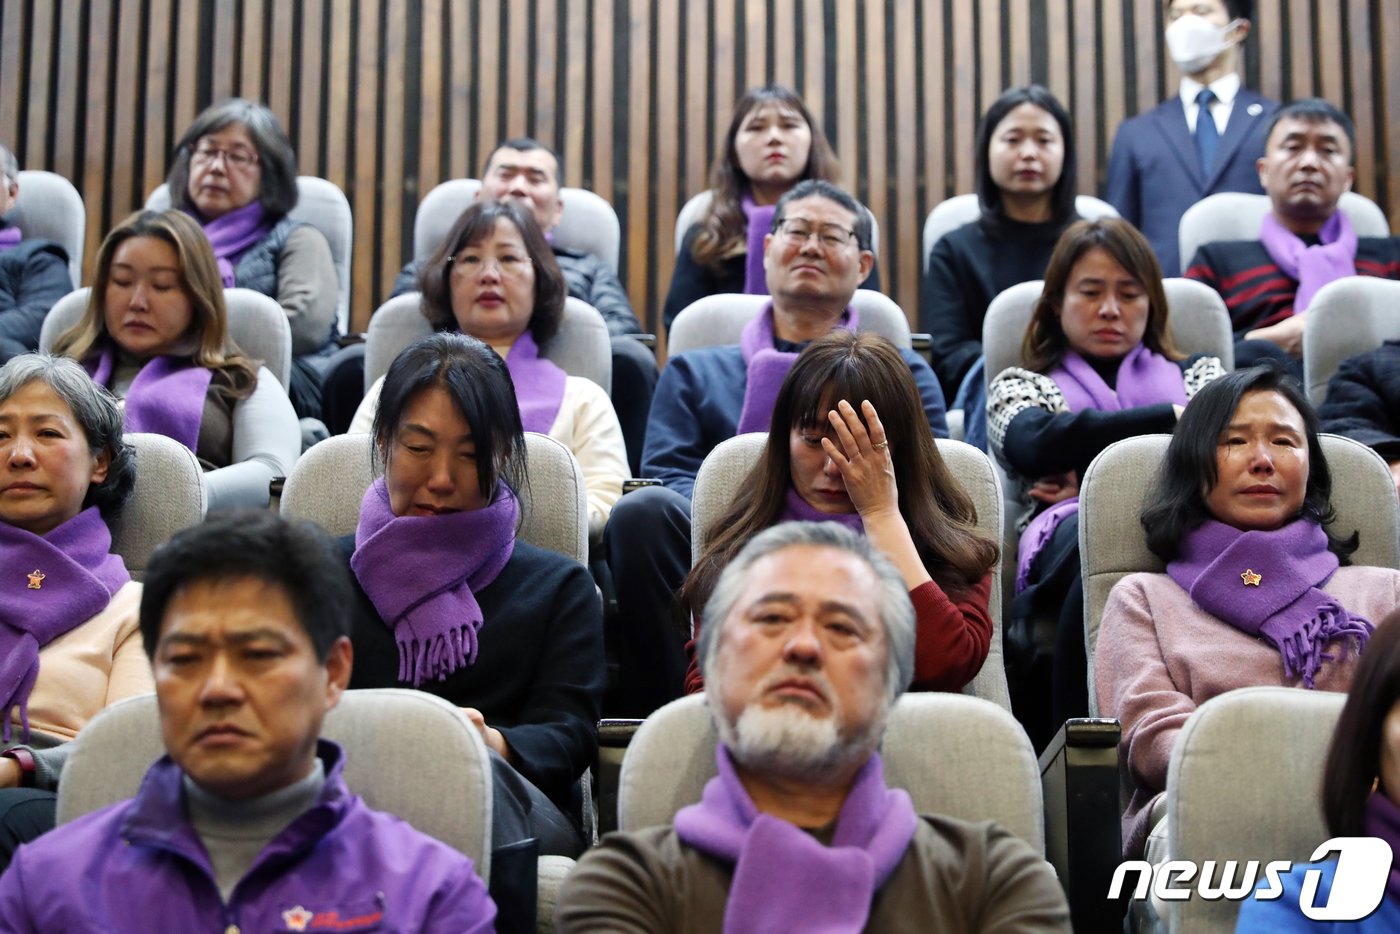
1194, 41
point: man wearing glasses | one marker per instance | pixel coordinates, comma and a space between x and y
33, 273
815, 258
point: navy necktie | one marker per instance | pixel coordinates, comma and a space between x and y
1207, 136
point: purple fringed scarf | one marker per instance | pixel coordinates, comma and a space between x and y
760, 217
232, 234
1382, 819
76, 574
797, 509
768, 367
1144, 378
784, 878
1312, 266
10, 235
166, 398
1287, 606
422, 572
539, 384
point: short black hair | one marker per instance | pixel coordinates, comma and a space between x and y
296, 555
527, 144
817, 188
476, 379
1315, 110
1187, 474
1062, 195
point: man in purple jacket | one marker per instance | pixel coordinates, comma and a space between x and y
246, 823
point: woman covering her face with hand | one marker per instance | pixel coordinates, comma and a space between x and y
1100, 367
456, 605
850, 444
1254, 591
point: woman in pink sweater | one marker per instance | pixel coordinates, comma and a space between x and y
1254, 592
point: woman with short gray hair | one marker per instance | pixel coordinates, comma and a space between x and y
70, 643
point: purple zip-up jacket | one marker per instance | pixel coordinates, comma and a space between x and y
140, 866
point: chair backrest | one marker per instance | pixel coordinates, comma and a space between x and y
257, 324
440, 782
581, 346
168, 496
727, 467
1118, 483
719, 319
1234, 215
321, 204
330, 479
957, 756
588, 222
1346, 317
1238, 790
958, 210
50, 208
1197, 321
695, 208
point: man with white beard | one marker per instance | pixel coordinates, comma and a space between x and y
807, 642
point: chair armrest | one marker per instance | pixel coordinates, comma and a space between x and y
646, 340
1083, 834
613, 739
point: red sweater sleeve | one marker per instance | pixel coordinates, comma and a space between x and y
950, 643
953, 635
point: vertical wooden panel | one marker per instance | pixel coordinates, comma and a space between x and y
814, 61
188, 55
124, 197
459, 111
391, 175
723, 65
700, 147
876, 178
846, 96
1086, 92
1363, 99
96, 170
576, 67
1113, 100
1147, 41
964, 90
545, 73
784, 37
988, 55
490, 78
224, 50
1300, 49
157, 87
365, 201
431, 81
517, 83
70, 64
936, 127
338, 141
667, 193
280, 78
1328, 31
1268, 26
310, 100
1389, 33
41, 49
755, 44
907, 224
254, 53
638, 99
601, 107
1058, 52
1019, 27
12, 40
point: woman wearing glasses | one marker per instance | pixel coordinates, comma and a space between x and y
772, 144
235, 173
496, 279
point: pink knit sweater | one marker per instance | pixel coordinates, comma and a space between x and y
1159, 657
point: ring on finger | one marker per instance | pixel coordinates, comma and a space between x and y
883, 445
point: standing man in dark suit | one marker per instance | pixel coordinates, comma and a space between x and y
1167, 159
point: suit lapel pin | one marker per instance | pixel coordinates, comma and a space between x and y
35, 578
1250, 578
1254, 110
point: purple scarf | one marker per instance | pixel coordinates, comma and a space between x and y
539, 384
760, 218
1144, 378
784, 878
76, 575
768, 367
797, 509
10, 235
421, 574
1267, 585
1312, 266
166, 398
1382, 819
232, 234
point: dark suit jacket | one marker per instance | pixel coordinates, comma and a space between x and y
1154, 173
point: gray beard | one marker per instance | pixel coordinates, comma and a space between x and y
788, 742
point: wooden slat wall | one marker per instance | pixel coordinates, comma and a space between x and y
389, 97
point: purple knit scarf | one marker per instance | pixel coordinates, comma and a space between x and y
232, 234
797, 509
1312, 266
422, 573
768, 367
166, 398
760, 217
784, 878
1144, 378
539, 384
1268, 584
76, 575
1382, 819
10, 235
